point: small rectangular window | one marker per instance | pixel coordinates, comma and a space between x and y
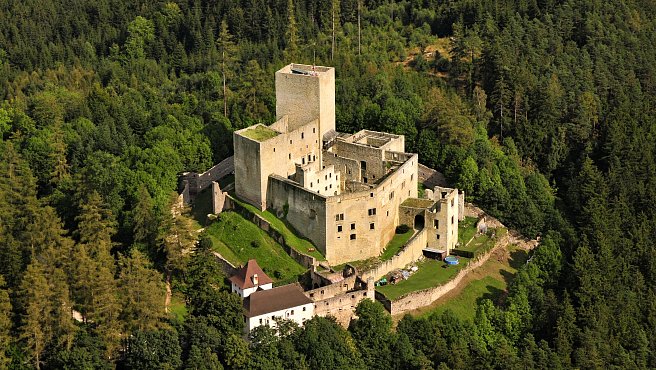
436, 223
371, 211
353, 226
339, 228
302, 135
438, 236
352, 236
303, 308
290, 142
371, 195
391, 196
451, 220
372, 226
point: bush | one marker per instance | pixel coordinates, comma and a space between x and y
255, 243
402, 229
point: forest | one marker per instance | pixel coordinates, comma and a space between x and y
543, 111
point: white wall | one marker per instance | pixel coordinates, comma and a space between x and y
248, 291
298, 315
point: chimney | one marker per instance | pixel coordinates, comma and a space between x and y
254, 279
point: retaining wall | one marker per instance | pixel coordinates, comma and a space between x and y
301, 258
414, 300
409, 253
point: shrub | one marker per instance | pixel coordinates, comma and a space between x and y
255, 243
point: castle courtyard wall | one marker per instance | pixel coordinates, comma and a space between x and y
305, 210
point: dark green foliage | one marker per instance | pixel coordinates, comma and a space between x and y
327, 346
542, 111
153, 350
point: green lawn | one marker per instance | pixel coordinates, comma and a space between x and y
489, 281
239, 240
431, 273
395, 244
466, 230
260, 133
177, 308
293, 240
464, 304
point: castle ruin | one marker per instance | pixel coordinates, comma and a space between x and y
346, 193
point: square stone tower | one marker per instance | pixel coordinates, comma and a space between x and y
305, 93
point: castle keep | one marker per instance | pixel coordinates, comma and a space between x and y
344, 192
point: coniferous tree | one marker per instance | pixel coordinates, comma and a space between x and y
142, 294
96, 287
5, 323
36, 327
226, 48
291, 33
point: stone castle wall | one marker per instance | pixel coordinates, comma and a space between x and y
304, 98
409, 253
355, 208
300, 257
414, 300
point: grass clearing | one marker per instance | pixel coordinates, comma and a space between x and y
260, 133
239, 240
431, 273
293, 240
466, 230
395, 244
489, 281
177, 308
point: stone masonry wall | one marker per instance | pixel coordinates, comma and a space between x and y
305, 211
301, 258
409, 253
414, 300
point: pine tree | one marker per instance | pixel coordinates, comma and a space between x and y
227, 49
96, 289
143, 219
142, 293
291, 34
5, 323
335, 25
36, 328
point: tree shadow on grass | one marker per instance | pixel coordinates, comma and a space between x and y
493, 293
518, 258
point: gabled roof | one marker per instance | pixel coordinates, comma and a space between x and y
244, 276
271, 300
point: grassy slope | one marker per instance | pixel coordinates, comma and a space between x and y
466, 230
487, 282
395, 244
233, 238
431, 273
300, 244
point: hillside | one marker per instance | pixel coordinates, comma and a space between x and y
543, 112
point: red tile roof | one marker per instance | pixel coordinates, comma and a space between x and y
271, 300
244, 276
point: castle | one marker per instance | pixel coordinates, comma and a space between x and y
346, 193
